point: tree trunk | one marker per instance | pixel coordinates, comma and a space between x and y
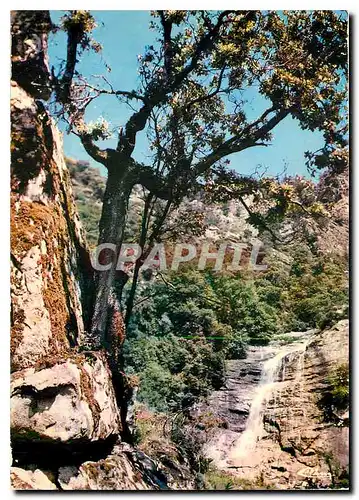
112, 224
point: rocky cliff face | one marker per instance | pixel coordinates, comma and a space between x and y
47, 248
65, 422
281, 424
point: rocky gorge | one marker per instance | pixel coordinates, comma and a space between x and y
279, 424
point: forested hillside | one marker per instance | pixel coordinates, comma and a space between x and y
185, 324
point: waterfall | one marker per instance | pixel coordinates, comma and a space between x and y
269, 382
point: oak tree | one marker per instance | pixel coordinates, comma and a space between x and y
191, 102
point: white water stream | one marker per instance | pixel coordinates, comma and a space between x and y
273, 369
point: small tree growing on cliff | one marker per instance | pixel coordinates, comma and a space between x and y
190, 102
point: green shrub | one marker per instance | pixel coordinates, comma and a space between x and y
316, 292
174, 372
215, 479
339, 386
335, 399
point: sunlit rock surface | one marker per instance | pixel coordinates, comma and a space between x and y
30, 480
73, 400
48, 254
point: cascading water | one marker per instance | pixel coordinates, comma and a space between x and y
273, 372
270, 428
254, 429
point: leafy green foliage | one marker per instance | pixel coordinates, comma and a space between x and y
335, 398
340, 477
249, 317
339, 382
191, 102
173, 371
274, 53
316, 293
187, 323
82, 23
193, 105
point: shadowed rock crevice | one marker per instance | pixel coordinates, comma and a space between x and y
52, 455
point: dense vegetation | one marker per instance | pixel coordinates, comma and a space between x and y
180, 335
334, 400
185, 324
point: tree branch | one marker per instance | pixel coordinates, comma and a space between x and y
130, 94
267, 228
94, 151
233, 146
157, 229
205, 44
154, 182
74, 35
211, 94
158, 93
167, 46
135, 124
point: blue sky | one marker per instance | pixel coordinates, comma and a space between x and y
124, 35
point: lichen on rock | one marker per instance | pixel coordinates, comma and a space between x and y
61, 398
72, 400
30, 67
47, 246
